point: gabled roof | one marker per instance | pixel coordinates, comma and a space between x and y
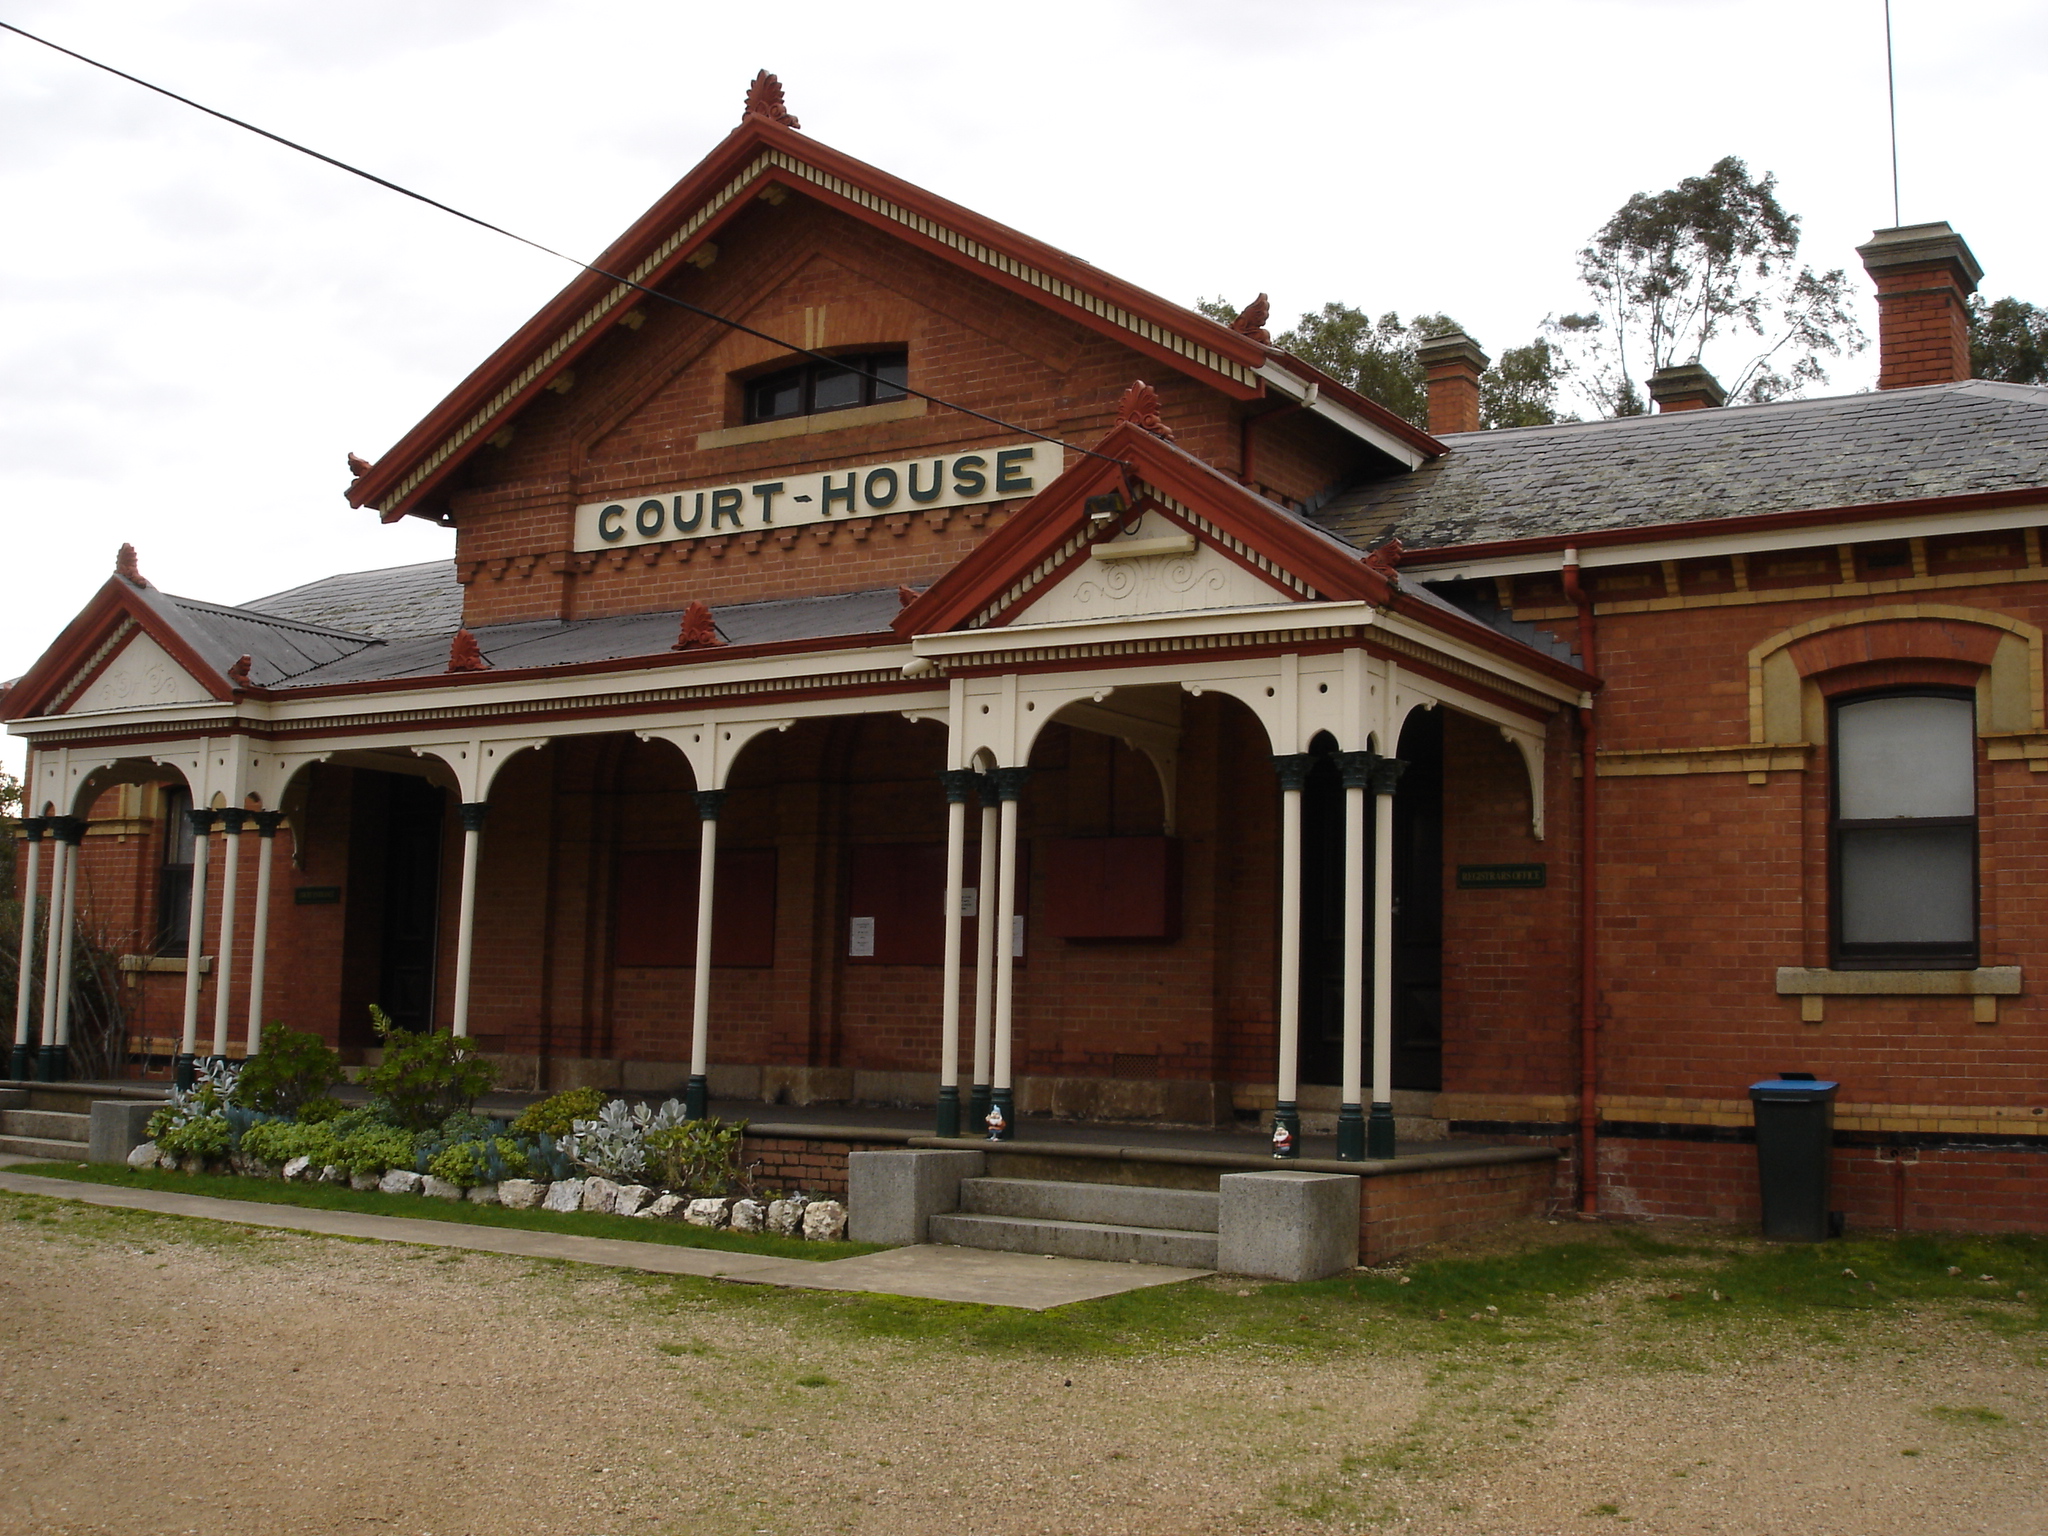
1004, 574
205, 639
1564, 482
764, 152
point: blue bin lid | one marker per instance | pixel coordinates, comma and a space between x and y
1793, 1085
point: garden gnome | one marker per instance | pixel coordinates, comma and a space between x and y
995, 1122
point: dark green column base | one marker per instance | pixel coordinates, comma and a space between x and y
1002, 1115
21, 1063
50, 1064
1351, 1134
697, 1098
1379, 1132
184, 1072
949, 1111
977, 1110
1287, 1120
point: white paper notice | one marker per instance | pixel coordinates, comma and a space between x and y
863, 937
970, 902
1017, 937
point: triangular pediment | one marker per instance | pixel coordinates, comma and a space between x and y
139, 675
1153, 565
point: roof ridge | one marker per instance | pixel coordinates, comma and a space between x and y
257, 616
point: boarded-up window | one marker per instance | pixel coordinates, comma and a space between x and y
656, 923
896, 896
1113, 887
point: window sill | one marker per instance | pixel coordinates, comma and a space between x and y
171, 963
1985, 985
803, 426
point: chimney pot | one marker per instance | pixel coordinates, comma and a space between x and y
1925, 275
1685, 387
1451, 365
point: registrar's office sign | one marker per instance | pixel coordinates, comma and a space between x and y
785, 500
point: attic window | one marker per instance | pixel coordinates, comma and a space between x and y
813, 388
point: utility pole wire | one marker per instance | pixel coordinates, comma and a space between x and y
1891, 92
548, 250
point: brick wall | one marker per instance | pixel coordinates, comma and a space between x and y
1400, 1213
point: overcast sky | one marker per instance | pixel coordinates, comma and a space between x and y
197, 326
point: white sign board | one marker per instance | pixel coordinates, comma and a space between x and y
785, 499
863, 938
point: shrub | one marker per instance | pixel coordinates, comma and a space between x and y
277, 1142
204, 1136
699, 1157
374, 1147
425, 1077
558, 1115
613, 1144
195, 1123
292, 1070
483, 1161
457, 1128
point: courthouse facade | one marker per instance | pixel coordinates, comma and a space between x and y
1169, 735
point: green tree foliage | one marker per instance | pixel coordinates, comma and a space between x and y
294, 1070
1376, 357
1711, 261
2008, 341
424, 1078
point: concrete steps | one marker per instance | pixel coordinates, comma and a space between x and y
48, 1134
1122, 1223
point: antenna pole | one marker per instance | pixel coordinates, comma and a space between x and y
1891, 91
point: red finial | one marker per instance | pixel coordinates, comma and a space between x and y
358, 465
1385, 558
698, 632
1140, 407
238, 674
465, 655
764, 99
905, 596
126, 568
1252, 322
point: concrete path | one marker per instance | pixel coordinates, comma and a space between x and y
932, 1272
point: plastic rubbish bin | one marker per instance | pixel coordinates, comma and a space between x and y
1795, 1134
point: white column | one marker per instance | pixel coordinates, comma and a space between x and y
259, 941
1379, 1125
1354, 961
697, 1095
53, 933
985, 960
1293, 771
24, 976
224, 953
1002, 1097
465, 922
959, 784
195, 943
57, 1037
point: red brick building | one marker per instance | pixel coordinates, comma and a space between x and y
1279, 758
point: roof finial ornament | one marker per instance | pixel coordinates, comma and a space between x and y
1252, 322
1386, 558
126, 568
465, 655
358, 465
698, 632
238, 674
1140, 407
764, 99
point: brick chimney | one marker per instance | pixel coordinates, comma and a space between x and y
1685, 387
1452, 364
1925, 275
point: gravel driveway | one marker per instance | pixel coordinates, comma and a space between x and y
168, 1376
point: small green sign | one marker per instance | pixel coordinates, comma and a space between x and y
1503, 877
318, 896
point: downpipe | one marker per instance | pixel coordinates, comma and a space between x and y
1589, 990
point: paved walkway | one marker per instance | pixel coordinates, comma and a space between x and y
928, 1271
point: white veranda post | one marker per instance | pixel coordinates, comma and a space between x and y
24, 976
259, 939
985, 958
224, 953
195, 945
465, 924
959, 785
1357, 771
1293, 769
57, 1037
697, 1095
53, 936
1002, 1114
1379, 1130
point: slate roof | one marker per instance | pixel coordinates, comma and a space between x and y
398, 600
553, 643
278, 649
1691, 466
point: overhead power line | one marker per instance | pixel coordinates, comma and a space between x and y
548, 250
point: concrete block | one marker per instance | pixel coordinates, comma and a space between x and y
119, 1126
1287, 1225
892, 1196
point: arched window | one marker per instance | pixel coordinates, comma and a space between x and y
1904, 830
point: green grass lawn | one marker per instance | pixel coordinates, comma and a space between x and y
339, 1197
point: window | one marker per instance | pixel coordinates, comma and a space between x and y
174, 881
813, 388
1905, 831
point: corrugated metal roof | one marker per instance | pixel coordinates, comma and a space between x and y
1692, 466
